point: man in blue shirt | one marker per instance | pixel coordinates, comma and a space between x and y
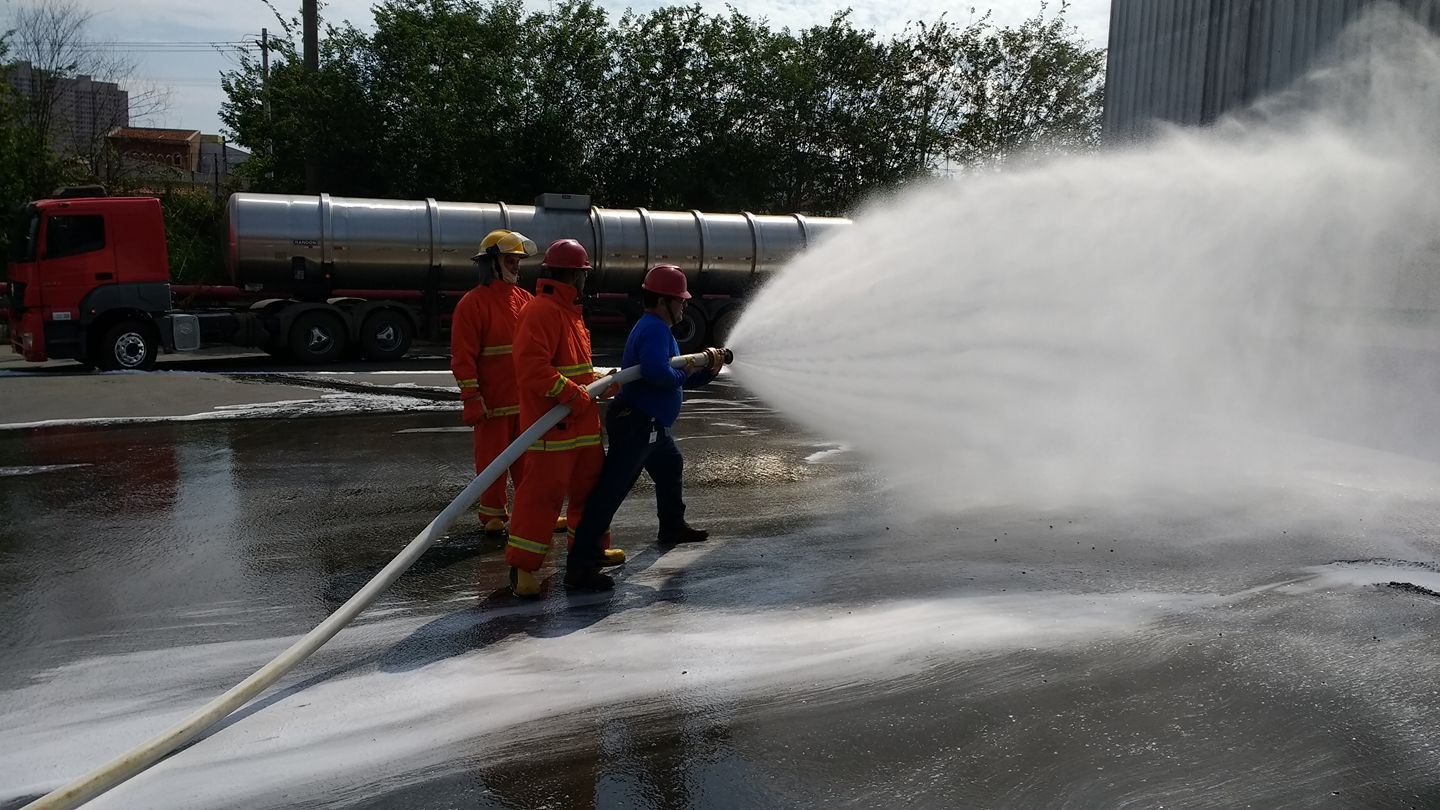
639, 425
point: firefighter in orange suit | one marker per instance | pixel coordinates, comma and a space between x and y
552, 367
481, 335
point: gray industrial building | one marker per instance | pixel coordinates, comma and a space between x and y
1191, 61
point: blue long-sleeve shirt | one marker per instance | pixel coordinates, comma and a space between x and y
658, 392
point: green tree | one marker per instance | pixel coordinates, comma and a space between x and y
836, 106
671, 108
444, 74
1034, 88
328, 118
664, 96
194, 234
28, 169
561, 118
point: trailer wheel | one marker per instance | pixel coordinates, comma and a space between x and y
385, 336
317, 337
724, 325
128, 345
691, 332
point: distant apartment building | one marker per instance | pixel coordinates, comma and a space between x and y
83, 109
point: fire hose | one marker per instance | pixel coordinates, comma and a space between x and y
138, 759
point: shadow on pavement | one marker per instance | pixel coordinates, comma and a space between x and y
499, 615
496, 617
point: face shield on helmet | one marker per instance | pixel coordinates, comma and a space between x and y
495, 247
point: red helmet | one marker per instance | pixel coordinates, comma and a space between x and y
666, 279
566, 254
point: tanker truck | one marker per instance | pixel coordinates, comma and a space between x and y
319, 278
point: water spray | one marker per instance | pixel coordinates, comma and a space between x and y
138, 759
1152, 318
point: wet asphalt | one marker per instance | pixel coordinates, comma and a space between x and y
1274, 646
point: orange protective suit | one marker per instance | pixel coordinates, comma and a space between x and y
552, 366
481, 335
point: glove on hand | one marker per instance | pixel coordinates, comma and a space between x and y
613, 389
575, 397
474, 412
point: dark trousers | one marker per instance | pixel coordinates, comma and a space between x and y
636, 443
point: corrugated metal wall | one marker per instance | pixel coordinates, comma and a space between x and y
1190, 61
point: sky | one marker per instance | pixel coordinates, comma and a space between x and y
146, 33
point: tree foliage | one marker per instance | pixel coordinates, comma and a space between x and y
28, 168
194, 234
672, 108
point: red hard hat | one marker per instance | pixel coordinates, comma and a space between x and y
566, 254
666, 279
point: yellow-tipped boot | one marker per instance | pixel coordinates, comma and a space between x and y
612, 556
561, 525
494, 525
524, 584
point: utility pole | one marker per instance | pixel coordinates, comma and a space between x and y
312, 34
264, 44
265, 71
925, 132
311, 13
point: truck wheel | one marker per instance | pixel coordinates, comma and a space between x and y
129, 345
692, 331
317, 337
724, 325
385, 336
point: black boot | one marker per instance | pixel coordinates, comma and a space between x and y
587, 579
682, 534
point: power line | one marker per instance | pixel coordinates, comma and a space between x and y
165, 41
185, 82
182, 49
107, 42
151, 46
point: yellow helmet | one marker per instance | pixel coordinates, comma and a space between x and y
501, 241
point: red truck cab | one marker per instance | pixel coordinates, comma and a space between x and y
90, 281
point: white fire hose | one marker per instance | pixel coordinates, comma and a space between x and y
138, 759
